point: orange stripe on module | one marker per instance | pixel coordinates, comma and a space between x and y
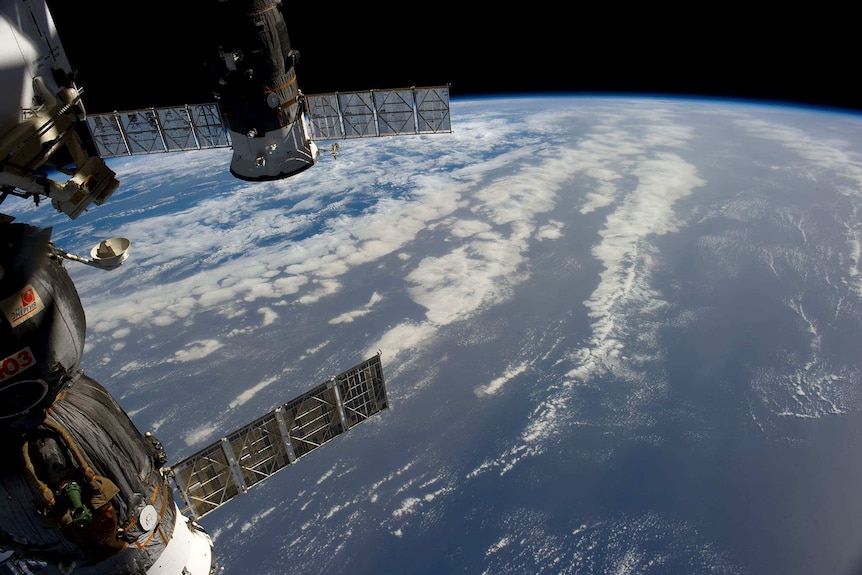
59, 397
288, 83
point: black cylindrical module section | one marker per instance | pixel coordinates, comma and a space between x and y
42, 326
256, 83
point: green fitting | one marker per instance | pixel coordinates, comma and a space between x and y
80, 514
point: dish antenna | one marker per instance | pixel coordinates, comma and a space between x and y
107, 254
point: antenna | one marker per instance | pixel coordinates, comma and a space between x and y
107, 254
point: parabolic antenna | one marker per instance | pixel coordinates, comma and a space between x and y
110, 253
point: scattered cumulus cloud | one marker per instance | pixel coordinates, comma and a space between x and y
497, 384
251, 392
196, 350
349, 316
269, 316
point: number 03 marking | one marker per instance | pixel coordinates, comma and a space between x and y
16, 363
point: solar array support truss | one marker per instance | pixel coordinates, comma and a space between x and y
371, 113
224, 469
154, 130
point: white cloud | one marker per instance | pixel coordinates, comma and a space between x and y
493, 387
269, 316
553, 230
196, 350
646, 210
402, 337
251, 392
200, 435
349, 316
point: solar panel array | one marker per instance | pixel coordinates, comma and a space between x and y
153, 130
334, 116
224, 469
372, 113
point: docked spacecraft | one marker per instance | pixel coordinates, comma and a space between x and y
83, 489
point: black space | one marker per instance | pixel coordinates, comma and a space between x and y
153, 53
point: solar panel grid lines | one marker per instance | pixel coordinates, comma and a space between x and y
230, 466
371, 113
156, 130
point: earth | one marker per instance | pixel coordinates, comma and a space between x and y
619, 335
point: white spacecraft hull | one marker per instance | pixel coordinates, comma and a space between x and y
190, 550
